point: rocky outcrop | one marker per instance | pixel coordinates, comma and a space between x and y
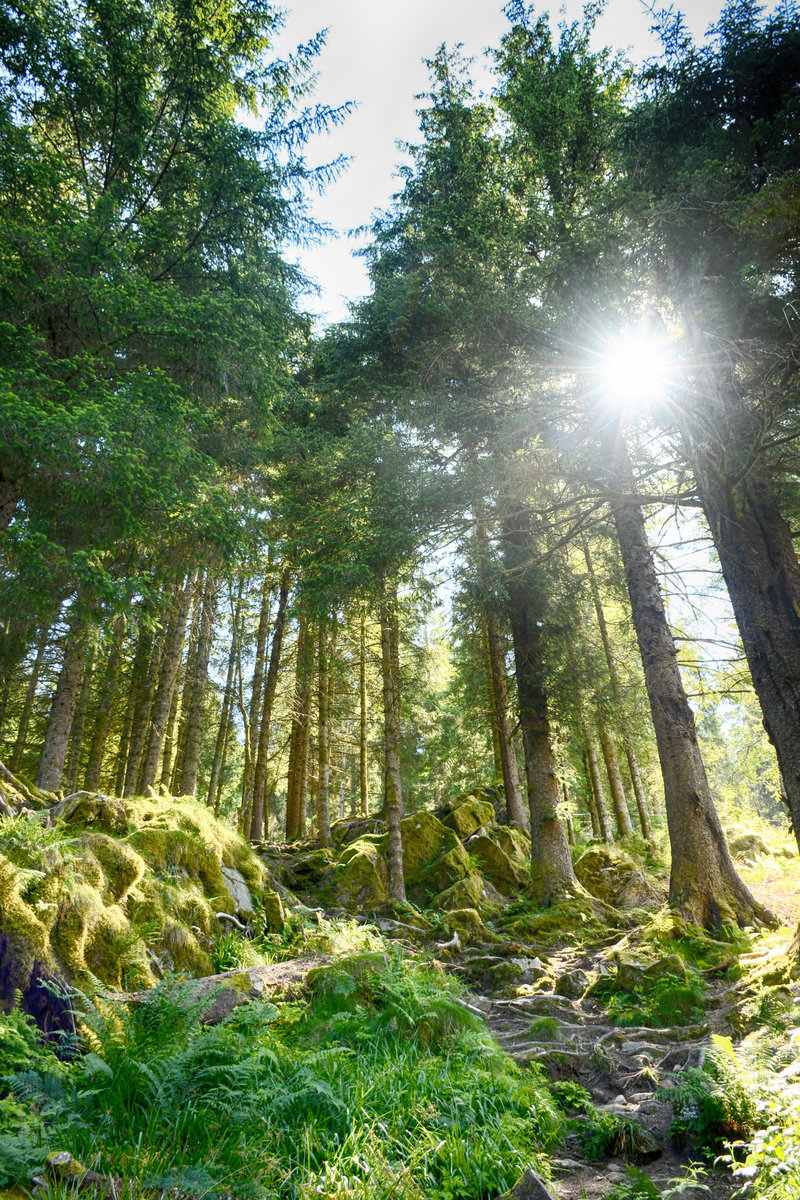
612, 876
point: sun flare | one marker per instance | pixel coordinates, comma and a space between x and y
636, 369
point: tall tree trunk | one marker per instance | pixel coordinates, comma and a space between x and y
78, 722
620, 804
221, 744
105, 706
552, 875
195, 712
171, 752
323, 737
515, 806
616, 693
255, 693
15, 762
149, 652
257, 827
175, 737
757, 555
59, 725
597, 829
704, 886
298, 745
491, 711
173, 651
390, 671
596, 782
363, 715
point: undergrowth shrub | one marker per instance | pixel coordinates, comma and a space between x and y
716, 1104
382, 1085
606, 1135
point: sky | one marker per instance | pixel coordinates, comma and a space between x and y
374, 57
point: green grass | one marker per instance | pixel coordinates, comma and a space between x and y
381, 1085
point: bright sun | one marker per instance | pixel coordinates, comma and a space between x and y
636, 369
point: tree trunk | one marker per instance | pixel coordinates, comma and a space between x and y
195, 711
15, 761
552, 876
597, 830
173, 651
596, 782
616, 692
149, 652
363, 778
515, 806
390, 671
59, 725
78, 722
257, 830
298, 746
491, 711
758, 560
323, 738
704, 886
255, 692
221, 743
171, 752
105, 706
620, 804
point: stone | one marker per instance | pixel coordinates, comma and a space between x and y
490, 972
612, 876
425, 838
530, 1187
273, 910
93, 808
496, 865
238, 891
572, 984
517, 845
470, 816
467, 923
747, 845
307, 868
360, 881
344, 832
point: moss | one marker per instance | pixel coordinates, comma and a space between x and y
23, 937
184, 950
467, 923
361, 880
472, 815
439, 875
496, 865
273, 911
425, 838
121, 866
92, 808
517, 845
574, 920
612, 876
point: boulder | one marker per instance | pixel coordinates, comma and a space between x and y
639, 977
470, 816
530, 1187
360, 881
344, 832
496, 864
517, 845
433, 857
307, 868
273, 910
747, 845
93, 808
467, 923
471, 892
611, 875
238, 891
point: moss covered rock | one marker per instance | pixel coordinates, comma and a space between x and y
121, 866
517, 845
105, 813
273, 910
496, 864
470, 816
613, 876
360, 881
469, 926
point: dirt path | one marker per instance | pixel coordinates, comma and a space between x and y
621, 1069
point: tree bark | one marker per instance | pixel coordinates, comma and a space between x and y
15, 761
105, 707
597, 831
323, 738
363, 778
221, 744
166, 684
10, 492
552, 875
704, 886
195, 711
298, 745
255, 692
149, 652
257, 827
593, 767
616, 692
390, 671
620, 804
757, 557
515, 806
78, 722
59, 725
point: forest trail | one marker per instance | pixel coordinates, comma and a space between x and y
621, 1068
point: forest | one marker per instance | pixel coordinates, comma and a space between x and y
399, 720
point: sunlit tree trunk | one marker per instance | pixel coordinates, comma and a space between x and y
363, 716
221, 743
168, 676
76, 742
390, 672
15, 762
255, 692
194, 716
598, 796
323, 736
704, 886
552, 875
298, 745
257, 827
618, 801
105, 708
515, 806
62, 710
